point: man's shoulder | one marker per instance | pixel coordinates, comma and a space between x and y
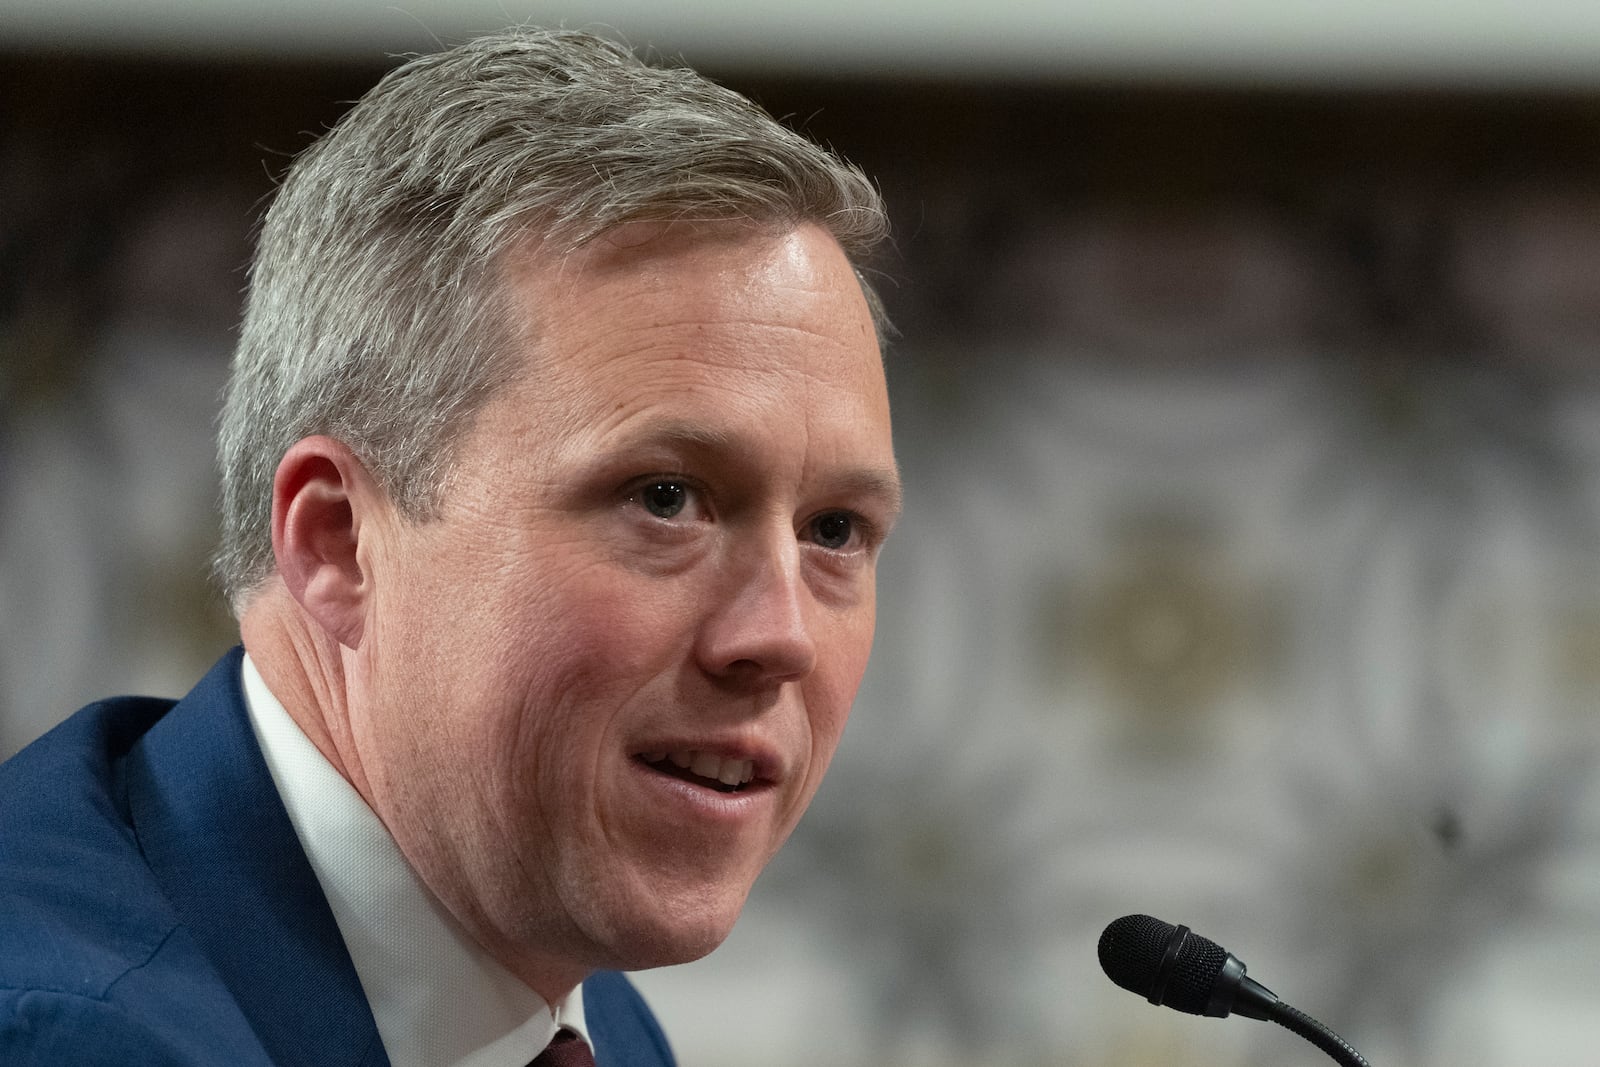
80, 910
167, 1012
95, 963
44, 1028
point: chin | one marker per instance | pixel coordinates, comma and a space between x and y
662, 933
642, 955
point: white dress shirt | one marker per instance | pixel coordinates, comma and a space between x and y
438, 998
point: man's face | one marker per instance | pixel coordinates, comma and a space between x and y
595, 695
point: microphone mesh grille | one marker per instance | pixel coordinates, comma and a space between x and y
1131, 949
1195, 974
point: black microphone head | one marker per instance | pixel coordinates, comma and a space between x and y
1134, 948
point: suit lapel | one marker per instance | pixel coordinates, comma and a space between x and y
621, 1028
217, 837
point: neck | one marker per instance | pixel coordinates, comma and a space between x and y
316, 679
306, 670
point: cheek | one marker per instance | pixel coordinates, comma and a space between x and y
827, 709
832, 689
619, 624
551, 623
580, 655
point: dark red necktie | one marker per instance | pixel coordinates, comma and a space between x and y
566, 1050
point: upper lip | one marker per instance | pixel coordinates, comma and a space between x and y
763, 764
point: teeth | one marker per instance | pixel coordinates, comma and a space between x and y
708, 765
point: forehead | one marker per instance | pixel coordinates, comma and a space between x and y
722, 329
716, 271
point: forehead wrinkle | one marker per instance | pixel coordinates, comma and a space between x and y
873, 480
682, 433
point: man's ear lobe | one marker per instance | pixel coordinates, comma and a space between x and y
322, 496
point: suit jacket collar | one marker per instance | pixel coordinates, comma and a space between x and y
215, 834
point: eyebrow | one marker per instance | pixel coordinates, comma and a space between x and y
871, 481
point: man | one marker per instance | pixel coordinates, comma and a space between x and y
556, 462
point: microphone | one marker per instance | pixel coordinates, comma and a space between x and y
1170, 965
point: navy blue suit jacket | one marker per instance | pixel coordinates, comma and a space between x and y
156, 907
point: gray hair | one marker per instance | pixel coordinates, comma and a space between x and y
375, 313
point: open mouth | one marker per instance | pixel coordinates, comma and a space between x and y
703, 768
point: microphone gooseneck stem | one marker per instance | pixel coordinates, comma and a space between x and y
1298, 1021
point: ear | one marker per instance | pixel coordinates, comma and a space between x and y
323, 498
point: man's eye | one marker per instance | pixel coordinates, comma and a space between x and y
664, 499
833, 530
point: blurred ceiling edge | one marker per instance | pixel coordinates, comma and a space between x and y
1534, 44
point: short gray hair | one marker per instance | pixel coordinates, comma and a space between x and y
375, 313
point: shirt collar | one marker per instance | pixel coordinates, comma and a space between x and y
439, 1000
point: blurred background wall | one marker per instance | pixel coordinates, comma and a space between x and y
1248, 406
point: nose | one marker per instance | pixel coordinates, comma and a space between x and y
758, 631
